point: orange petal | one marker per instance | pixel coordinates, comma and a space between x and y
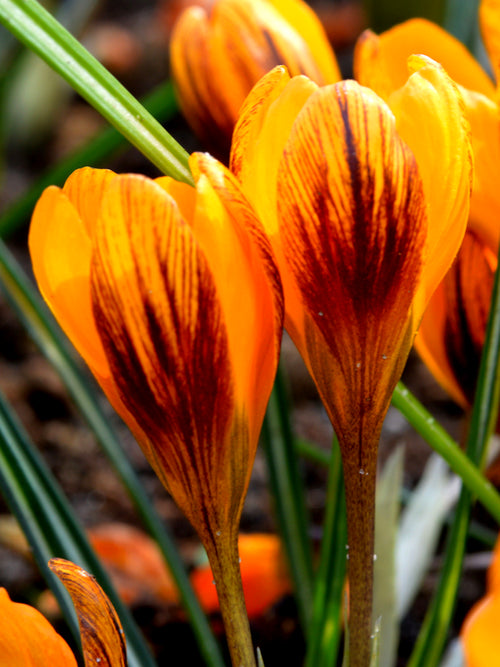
27, 638
479, 633
308, 26
430, 117
263, 573
223, 219
259, 138
452, 332
166, 341
135, 564
60, 250
380, 60
103, 641
483, 116
352, 214
238, 42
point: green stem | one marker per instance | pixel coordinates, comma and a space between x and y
225, 563
41, 33
360, 471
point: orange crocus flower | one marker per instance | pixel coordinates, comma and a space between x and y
171, 295
452, 334
365, 205
217, 55
380, 62
451, 337
479, 634
28, 640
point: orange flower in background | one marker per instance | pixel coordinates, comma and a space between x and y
451, 337
171, 295
27, 639
263, 571
217, 55
452, 334
479, 634
365, 219
380, 62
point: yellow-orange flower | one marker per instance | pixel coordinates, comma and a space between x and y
365, 205
27, 639
217, 56
452, 334
170, 295
380, 62
479, 632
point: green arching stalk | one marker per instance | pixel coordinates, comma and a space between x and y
443, 444
41, 33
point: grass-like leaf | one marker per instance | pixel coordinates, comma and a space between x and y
41, 33
36, 500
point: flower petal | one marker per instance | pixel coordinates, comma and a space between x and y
164, 334
247, 276
452, 332
60, 249
260, 135
430, 117
103, 641
27, 638
352, 216
479, 633
380, 60
483, 116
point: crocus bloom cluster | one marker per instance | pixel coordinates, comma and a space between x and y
364, 220
27, 638
170, 294
452, 333
219, 54
479, 634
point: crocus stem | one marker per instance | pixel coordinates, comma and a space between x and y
225, 564
360, 502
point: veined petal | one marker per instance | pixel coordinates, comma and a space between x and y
489, 19
430, 117
103, 640
85, 188
260, 135
28, 640
484, 119
60, 249
380, 60
247, 276
352, 217
451, 336
164, 333
307, 24
210, 111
